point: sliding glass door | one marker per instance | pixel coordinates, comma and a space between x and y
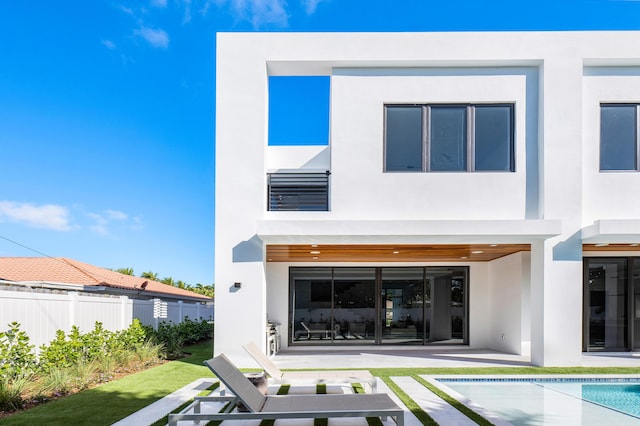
394, 305
611, 304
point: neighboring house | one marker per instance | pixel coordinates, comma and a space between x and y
45, 272
478, 189
48, 294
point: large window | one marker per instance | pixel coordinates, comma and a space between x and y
449, 138
619, 137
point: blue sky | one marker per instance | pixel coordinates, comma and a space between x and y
107, 111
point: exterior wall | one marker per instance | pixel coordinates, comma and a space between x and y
606, 195
555, 79
41, 314
357, 135
507, 289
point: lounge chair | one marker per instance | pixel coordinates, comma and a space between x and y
309, 377
319, 329
286, 406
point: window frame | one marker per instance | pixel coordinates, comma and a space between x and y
636, 105
470, 144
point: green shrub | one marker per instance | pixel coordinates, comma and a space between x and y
16, 354
11, 391
57, 381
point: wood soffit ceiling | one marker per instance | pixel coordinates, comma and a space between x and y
391, 253
410, 252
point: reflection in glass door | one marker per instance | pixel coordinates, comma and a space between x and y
606, 302
354, 310
403, 305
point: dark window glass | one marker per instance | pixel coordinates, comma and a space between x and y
493, 138
448, 138
618, 137
404, 139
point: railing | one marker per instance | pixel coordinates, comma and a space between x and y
298, 191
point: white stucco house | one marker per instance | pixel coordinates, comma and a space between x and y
477, 189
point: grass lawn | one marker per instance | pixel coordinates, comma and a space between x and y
115, 400
108, 403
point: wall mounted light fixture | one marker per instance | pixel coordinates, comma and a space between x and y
237, 285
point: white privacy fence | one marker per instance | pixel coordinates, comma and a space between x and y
41, 314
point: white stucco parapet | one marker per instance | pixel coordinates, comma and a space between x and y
622, 231
406, 231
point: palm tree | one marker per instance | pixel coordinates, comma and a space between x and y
125, 271
150, 275
168, 281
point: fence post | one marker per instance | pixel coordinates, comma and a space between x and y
73, 306
123, 312
198, 311
180, 311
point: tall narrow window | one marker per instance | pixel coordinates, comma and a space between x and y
618, 137
404, 139
449, 138
493, 138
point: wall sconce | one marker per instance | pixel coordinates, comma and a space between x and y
237, 285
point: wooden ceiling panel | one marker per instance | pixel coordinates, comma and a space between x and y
391, 253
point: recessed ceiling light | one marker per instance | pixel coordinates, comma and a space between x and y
396, 252
477, 252
634, 245
315, 257
602, 244
314, 245
463, 257
493, 245
314, 252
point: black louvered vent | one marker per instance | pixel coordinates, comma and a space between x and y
298, 191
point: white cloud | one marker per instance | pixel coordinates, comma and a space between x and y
310, 6
108, 44
186, 16
104, 219
47, 216
116, 215
258, 12
159, 3
155, 37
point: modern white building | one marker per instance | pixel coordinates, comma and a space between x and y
477, 189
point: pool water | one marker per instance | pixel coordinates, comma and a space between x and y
534, 401
622, 397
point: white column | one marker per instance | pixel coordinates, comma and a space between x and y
556, 264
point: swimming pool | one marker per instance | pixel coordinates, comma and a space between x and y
534, 400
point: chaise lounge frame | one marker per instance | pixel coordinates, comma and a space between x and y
285, 406
331, 377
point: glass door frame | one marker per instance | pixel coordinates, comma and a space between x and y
630, 303
379, 309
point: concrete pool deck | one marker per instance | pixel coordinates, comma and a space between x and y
369, 357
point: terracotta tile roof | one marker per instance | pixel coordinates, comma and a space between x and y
63, 270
